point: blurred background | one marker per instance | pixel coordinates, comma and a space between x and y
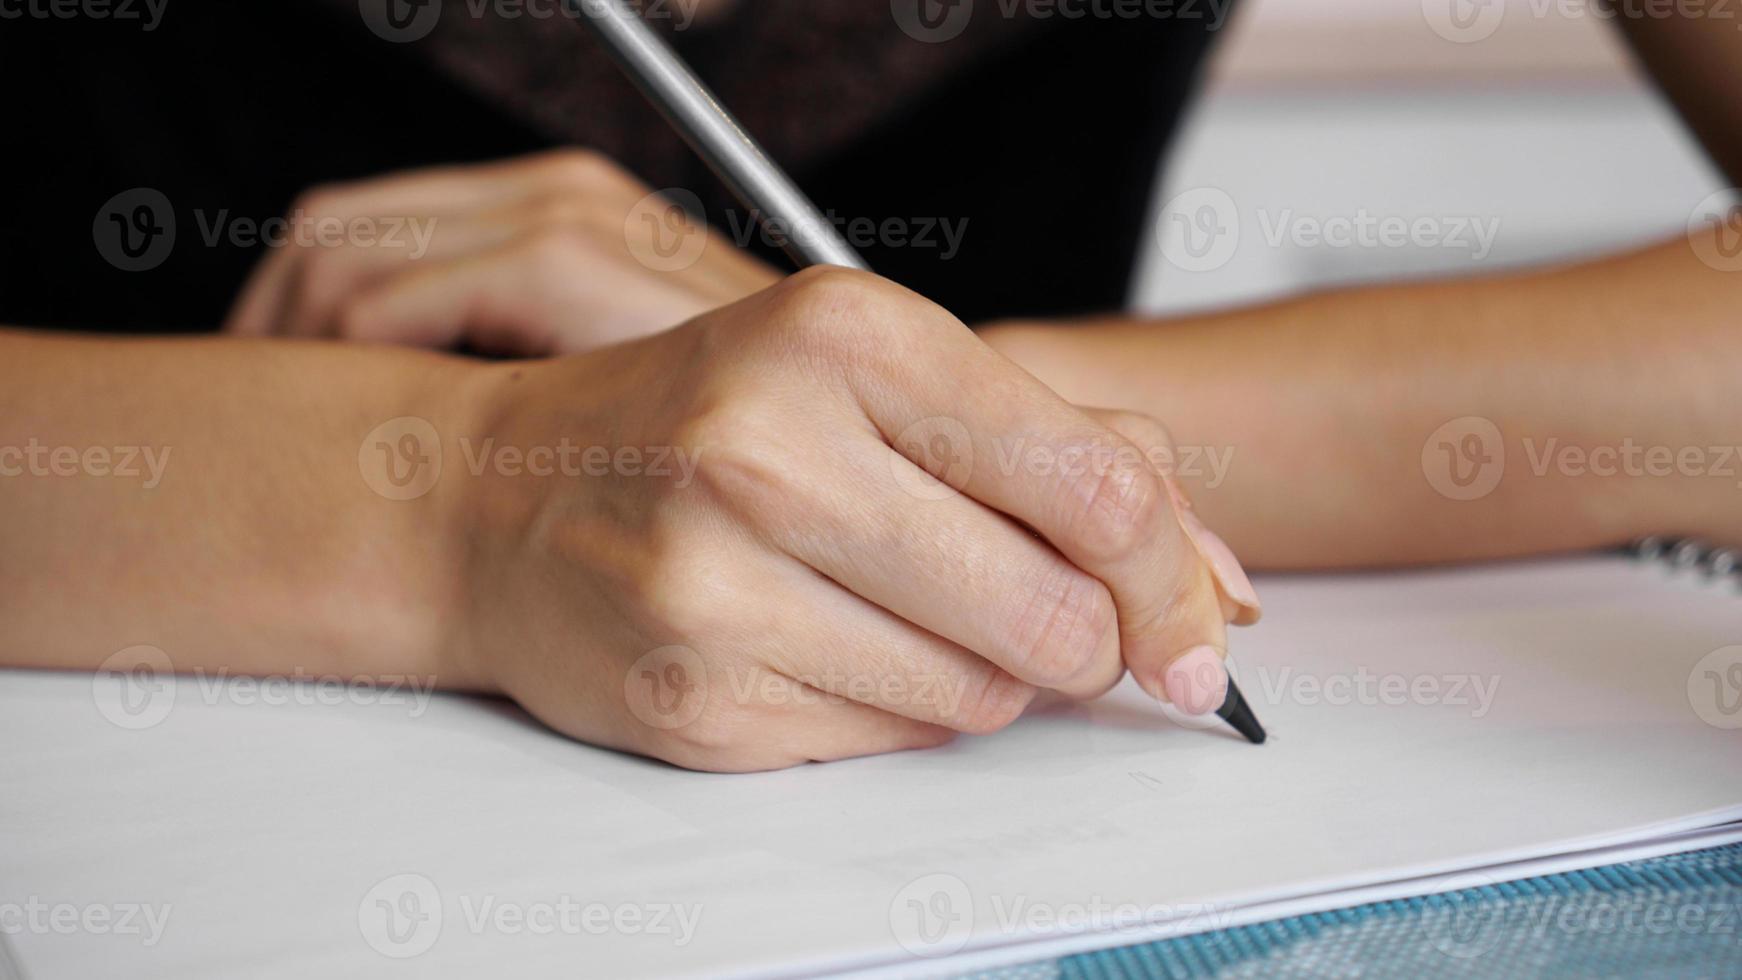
1526, 116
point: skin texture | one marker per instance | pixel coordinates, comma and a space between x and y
1327, 402
1316, 409
805, 561
807, 549
555, 253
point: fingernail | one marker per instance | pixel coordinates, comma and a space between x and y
1225, 567
1196, 682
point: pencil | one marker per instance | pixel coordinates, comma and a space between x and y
715, 136
757, 183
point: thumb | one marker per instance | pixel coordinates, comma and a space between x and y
1189, 671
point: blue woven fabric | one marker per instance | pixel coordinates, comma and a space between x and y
1678, 916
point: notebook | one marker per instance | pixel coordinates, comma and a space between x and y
1429, 730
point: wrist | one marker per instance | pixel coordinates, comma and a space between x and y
410, 577
517, 452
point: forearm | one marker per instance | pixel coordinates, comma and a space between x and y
1326, 403
207, 498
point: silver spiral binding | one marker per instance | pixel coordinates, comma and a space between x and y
1691, 554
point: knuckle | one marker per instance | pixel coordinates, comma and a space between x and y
736, 731
681, 597
1172, 605
718, 730
561, 210
825, 295
555, 245
845, 317
1119, 510
555, 253
581, 168
739, 460
721, 739
1146, 431
990, 703
1062, 625
316, 200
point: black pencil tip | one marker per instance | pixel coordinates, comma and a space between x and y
1238, 714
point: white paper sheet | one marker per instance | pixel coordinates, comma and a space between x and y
1556, 714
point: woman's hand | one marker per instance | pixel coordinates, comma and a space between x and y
557, 253
825, 521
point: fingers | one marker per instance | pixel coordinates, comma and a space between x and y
1240, 604
572, 214
518, 299
1196, 681
849, 648
952, 568
255, 312
315, 283
1015, 446
789, 723
1106, 510
267, 303
800, 670
1239, 600
833, 731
